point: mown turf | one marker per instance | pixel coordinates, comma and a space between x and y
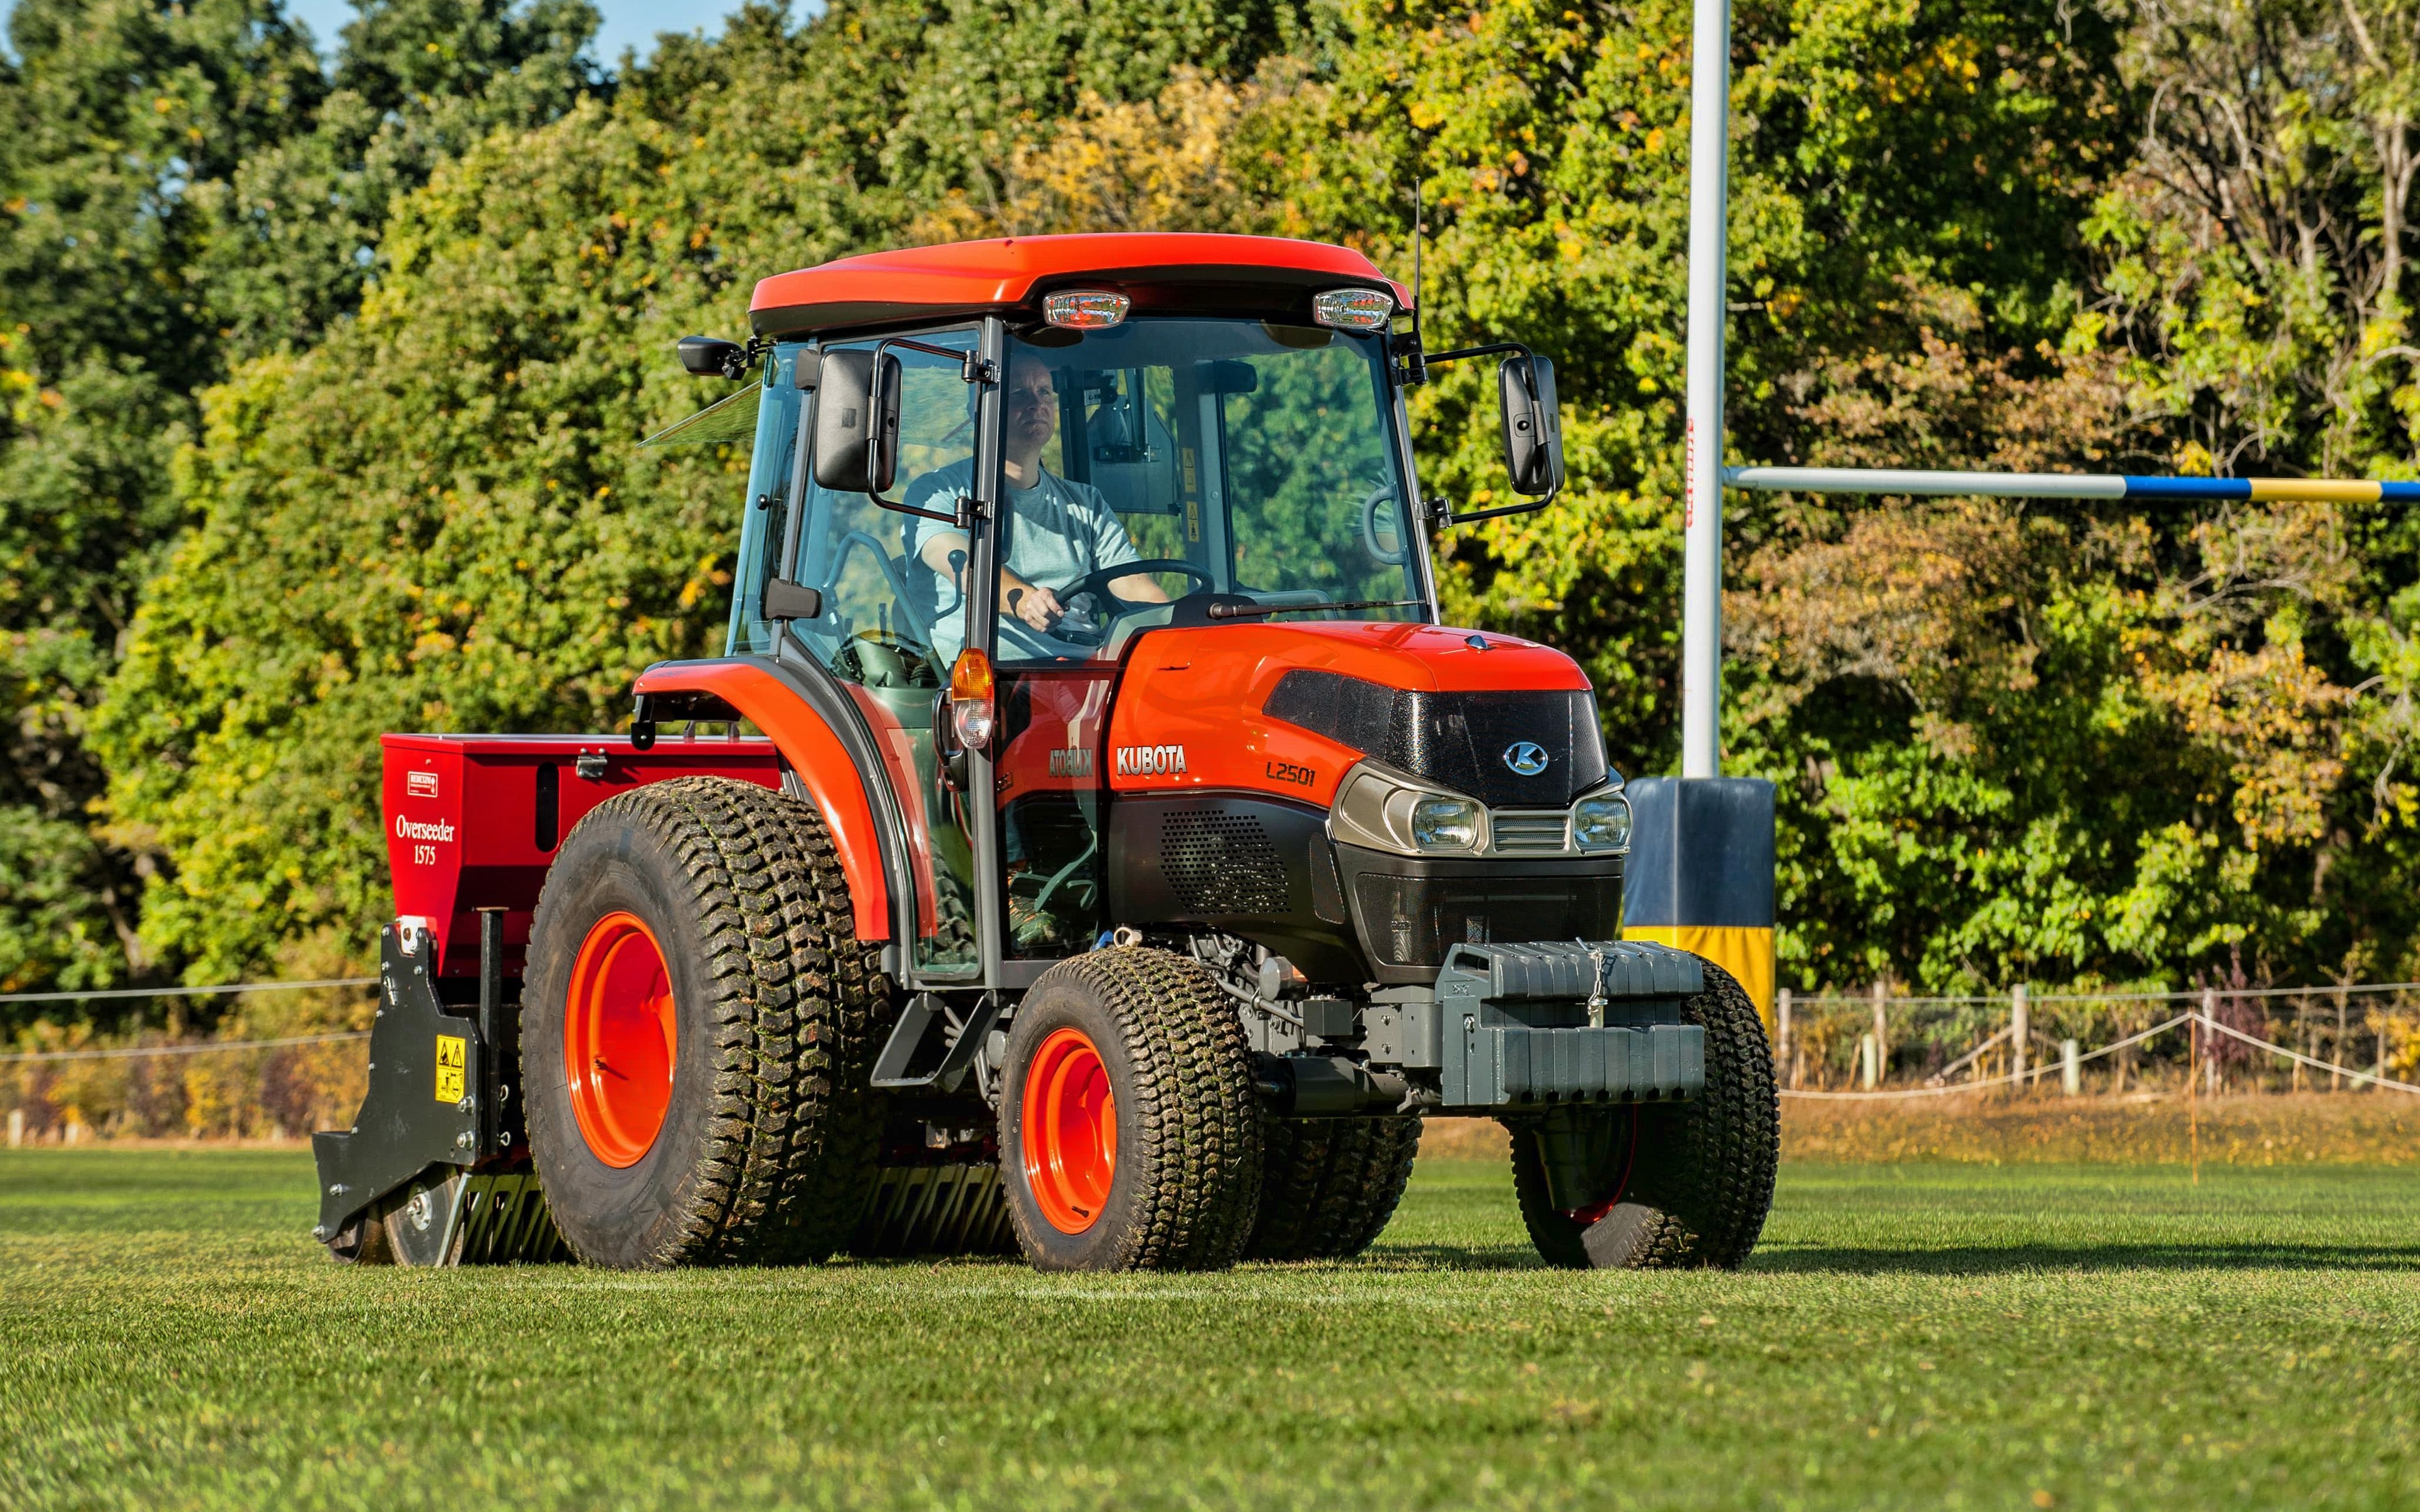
1938, 1336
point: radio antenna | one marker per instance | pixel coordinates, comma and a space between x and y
1416, 246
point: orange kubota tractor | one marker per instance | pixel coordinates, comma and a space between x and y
1090, 845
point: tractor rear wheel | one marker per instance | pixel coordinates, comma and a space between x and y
1683, 1185
1129, 1126
1329, 1185
699, 1018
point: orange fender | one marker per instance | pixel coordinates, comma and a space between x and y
813, 751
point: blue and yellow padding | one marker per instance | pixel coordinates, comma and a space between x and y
2069, 486
1700, 875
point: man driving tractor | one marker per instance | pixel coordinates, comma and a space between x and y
1064, 531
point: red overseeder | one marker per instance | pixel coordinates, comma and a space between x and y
473, 821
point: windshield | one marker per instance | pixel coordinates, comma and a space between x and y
1188, 472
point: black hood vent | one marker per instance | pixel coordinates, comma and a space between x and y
1468, 742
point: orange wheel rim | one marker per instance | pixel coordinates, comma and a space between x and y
618, 1037
1070, 1126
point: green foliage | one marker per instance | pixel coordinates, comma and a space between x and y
179, 186
2053, 744
111, 111
446, 495
295, 228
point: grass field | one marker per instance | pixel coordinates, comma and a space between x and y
2024, 1336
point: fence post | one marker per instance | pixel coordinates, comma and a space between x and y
2019, 1029
1869, 1061
1882, 1030
16, 1127
2193, 1076
2337, 1050
1781, 1040
2204, 1063
2070, 1068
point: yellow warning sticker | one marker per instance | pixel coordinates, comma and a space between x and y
452, 1056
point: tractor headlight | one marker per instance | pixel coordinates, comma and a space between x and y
1445, 823
1602, 823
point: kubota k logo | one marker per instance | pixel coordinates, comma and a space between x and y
1526, 758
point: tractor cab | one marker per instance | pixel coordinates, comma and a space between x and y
996, 485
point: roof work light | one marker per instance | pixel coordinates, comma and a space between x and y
1353, 309
1085, 309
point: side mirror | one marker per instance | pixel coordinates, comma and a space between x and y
1533, 429
857, 423
785, 600
712, 356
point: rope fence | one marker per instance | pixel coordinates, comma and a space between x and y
2036, 1073
2352, 1035
2351, 989
1828, 1047
299, 1069
112, 994
206, 1048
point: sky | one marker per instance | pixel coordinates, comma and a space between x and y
629, 23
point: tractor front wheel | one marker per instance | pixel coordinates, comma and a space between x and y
697, 1025
1130, 1128
1674, 1185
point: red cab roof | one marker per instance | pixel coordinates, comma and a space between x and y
1159, 270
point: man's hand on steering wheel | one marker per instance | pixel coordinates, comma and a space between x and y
1037, 606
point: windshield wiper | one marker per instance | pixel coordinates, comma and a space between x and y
1243, 611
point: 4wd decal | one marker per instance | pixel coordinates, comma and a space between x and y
1151, 761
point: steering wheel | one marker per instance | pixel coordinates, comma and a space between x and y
1086, 631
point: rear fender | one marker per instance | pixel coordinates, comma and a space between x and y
769, 695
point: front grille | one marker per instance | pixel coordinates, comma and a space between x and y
1528, 831
1411, 921
1457, 739
1222, 863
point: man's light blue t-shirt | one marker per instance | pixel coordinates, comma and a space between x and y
1063, 532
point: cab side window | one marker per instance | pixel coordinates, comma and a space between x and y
887, 619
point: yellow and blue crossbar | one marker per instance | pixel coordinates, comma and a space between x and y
2067, 484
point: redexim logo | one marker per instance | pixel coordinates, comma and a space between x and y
412, 829
1151, 761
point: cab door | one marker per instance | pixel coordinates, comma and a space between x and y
890, 626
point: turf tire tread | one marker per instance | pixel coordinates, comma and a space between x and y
796, 1010
1198, 1162
1701, 1183
1329, 1186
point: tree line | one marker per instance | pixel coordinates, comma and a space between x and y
323, 377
